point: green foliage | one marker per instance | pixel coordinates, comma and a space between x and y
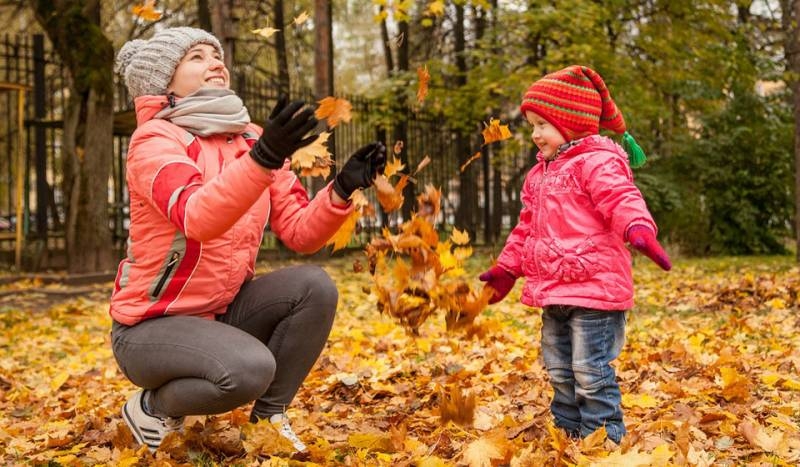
735, 180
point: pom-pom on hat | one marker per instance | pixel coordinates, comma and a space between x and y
147, 66
577, 102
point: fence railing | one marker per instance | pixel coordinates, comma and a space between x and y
30, 61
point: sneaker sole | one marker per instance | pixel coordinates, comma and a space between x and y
137, 434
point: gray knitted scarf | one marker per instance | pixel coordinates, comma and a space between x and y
208, 111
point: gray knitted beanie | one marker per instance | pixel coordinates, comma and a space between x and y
148, 65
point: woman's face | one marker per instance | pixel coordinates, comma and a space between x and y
544, 135
201, 67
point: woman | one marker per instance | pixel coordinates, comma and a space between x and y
192, 327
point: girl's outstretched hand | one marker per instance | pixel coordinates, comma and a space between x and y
500, 280
644, 239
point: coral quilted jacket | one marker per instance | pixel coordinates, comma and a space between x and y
198, 208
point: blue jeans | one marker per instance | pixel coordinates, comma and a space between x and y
578, 346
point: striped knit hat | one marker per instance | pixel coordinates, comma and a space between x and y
576, 101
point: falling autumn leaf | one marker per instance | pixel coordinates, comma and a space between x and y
334, 110
422, 164
494, 131
457, 406
423, 77
265, 32
342, 236
459, 237
477, 155
301, 18
398, 147
392, 167
314, 160
147, 11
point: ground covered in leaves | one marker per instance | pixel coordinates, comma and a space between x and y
709, 376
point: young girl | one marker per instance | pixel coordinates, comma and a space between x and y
579, 207
192, 327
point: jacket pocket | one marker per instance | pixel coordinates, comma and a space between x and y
571, 263
162, 280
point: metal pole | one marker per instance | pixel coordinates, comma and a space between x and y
20, 176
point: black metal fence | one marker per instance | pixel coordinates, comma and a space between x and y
28, 60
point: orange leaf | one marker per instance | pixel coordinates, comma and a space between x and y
469, 161
393, 166
423, 76
342, 236
334, 110
147, 11
390, 197
398, 147
456, 406
494, 131
429, 203
422, 164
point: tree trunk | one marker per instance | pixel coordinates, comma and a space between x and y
791, 15
466, 215
323, 66
73, 27
224, 28
284, 83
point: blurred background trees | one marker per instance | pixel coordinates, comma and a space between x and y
708, 87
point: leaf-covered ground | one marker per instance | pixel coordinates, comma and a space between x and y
709, 377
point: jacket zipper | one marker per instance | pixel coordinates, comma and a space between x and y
172, 260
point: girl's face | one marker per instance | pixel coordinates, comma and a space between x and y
545, 136
201, 67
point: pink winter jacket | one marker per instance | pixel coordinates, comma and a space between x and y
198, 208
570, 240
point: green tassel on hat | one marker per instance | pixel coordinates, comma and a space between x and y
635, 153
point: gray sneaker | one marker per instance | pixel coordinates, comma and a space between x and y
281, 423
148, 430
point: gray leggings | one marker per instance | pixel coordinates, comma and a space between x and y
261, 349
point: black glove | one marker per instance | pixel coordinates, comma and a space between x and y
360, 170
283, 133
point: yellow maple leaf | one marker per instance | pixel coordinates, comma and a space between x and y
734, 385
645, 401
301, 18
459, 237
147, 11
265, 32
422, 89
342, 236
483, 452
314, 160
392, 167
494, 131
334, 110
